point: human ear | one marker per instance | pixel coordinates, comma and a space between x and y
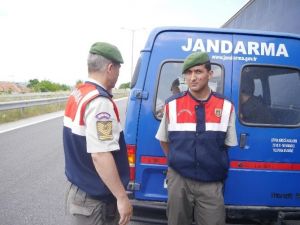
110, 67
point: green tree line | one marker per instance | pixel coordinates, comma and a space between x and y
124, 85
121, 86
46, 86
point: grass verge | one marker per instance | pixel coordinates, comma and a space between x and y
22, 113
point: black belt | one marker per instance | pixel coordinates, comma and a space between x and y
106, 198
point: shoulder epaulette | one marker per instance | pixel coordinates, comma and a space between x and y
176, 96
102, 92
218, 95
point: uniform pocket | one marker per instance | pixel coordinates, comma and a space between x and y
80, 204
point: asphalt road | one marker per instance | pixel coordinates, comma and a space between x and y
32, 178
33, 184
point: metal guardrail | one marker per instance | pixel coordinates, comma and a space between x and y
30, 103
45, 101
30, 96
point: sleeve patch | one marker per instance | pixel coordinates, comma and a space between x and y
104, 130
103, 116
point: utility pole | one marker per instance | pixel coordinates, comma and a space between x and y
132, 45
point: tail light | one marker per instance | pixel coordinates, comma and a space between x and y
131, 150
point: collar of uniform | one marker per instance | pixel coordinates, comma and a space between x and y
90, 80
200, 100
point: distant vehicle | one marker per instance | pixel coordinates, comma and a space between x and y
264, 175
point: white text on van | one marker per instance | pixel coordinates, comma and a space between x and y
227, 47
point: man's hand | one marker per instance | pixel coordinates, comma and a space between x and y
125, 210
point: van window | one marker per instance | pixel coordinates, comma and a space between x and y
269, 96
135, 73
171, 82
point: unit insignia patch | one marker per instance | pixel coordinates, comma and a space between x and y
218, 112
103, 116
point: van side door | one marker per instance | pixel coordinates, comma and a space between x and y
265, 167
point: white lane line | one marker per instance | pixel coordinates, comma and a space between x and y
30, 121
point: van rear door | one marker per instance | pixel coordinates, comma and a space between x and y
265, 168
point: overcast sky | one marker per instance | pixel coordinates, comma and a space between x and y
50, 39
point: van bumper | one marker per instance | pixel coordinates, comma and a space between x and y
261, 213
155, 213
149, 211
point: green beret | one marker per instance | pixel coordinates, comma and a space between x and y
108, 51
194, 59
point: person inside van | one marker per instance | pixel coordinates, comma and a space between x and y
175, 87
253, 109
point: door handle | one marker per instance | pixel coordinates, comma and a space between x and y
243, 140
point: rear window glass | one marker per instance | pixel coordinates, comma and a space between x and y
171, 82
269, 96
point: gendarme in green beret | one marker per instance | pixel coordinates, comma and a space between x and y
194, 59
108, 51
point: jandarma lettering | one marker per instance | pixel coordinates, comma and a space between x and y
240, 47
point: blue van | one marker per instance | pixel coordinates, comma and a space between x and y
264, 175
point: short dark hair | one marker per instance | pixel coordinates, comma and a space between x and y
207, 65
175, 83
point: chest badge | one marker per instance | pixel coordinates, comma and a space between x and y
218, 112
